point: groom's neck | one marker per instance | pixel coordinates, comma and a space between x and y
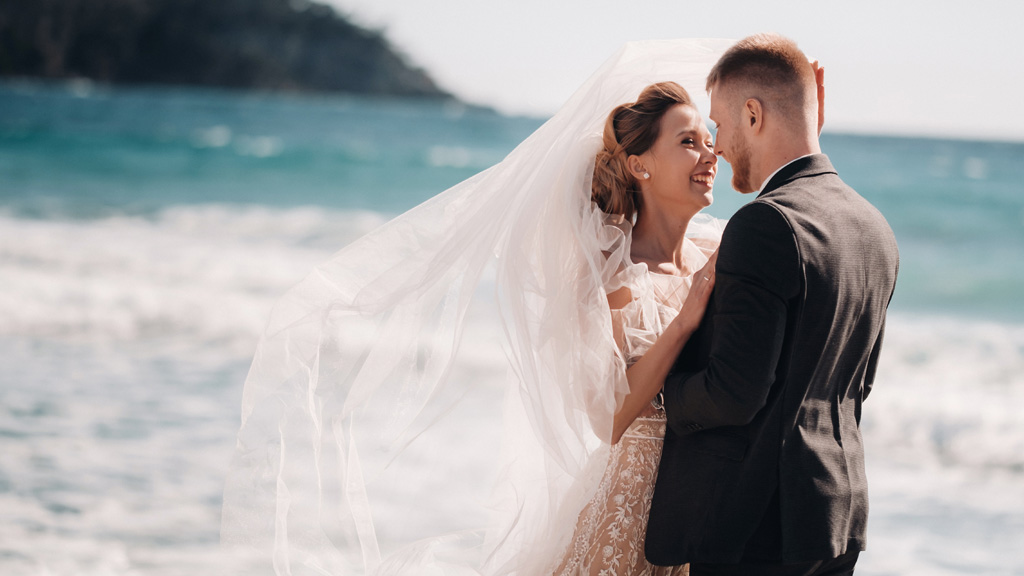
780, 149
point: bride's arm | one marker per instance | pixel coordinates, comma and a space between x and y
647, 375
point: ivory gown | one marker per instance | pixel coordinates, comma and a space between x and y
609, 535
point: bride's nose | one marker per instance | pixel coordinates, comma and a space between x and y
707, 155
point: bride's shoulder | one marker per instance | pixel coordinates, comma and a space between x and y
620, 298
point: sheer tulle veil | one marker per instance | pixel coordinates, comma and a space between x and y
437, 397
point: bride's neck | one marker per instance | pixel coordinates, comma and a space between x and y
659, 239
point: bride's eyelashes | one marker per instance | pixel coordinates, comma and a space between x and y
691, 142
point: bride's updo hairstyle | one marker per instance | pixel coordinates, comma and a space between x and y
631, 129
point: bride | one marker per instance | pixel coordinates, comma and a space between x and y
658, 165
365, 431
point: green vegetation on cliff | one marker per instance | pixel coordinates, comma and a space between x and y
294, 45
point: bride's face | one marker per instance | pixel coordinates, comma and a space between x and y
682, 162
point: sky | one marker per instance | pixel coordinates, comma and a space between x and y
910, 67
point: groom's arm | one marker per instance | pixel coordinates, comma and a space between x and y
869, 377
869, 374
757, 276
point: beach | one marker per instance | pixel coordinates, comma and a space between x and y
145, 235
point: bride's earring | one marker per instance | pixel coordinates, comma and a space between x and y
647, 175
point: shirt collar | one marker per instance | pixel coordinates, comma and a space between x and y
772, 175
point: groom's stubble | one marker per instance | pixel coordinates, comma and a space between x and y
732, 143
739, 162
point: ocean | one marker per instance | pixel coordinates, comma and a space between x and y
145, 233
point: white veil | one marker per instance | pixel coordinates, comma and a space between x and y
373, 438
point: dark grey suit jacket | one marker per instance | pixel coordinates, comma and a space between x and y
763, 457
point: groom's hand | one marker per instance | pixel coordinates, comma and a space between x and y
819, 78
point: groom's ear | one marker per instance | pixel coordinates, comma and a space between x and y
753, 114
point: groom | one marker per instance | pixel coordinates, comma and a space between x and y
763, 464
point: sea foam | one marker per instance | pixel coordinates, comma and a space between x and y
128, 338
206, 273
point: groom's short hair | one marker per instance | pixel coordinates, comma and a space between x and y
768, 67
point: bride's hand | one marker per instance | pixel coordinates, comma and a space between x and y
819, 79
697, 300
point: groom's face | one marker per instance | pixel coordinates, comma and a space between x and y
730, 140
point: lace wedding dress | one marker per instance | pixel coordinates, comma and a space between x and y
609, 535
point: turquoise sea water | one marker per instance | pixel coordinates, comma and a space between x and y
83, 152
145, 233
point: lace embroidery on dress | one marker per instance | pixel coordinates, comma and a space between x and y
609, 534
609, 537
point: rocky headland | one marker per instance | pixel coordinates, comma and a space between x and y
284, 45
